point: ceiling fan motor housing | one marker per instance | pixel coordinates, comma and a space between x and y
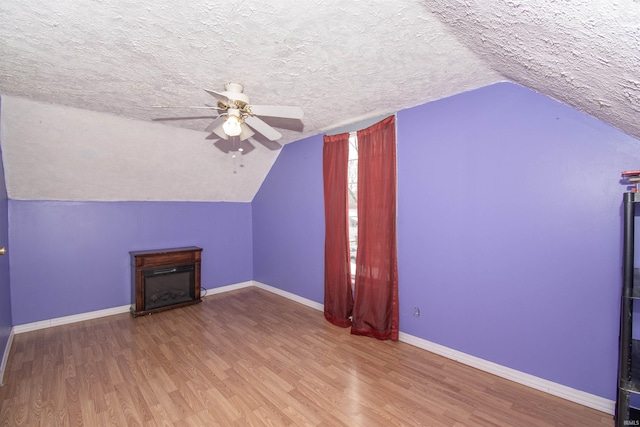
233, 91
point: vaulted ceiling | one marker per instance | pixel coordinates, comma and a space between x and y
79, 78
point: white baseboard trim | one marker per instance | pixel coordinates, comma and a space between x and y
50, 323
5, 356
289, 295
222, 289
43, 324
568, 393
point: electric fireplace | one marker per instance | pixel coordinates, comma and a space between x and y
162, 279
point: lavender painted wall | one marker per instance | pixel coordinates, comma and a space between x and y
5, 292
288, 222
73, 257
510, 232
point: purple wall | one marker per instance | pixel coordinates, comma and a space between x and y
5, 293
509, 231
288, 222
73, 257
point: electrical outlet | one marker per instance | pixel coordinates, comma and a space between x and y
416, 311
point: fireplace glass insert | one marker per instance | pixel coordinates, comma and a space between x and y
168, 286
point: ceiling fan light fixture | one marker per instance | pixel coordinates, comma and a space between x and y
232, 126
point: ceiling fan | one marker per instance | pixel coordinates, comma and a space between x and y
238, 118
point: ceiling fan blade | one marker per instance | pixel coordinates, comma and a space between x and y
217, 95
246, 132
263, 128
169, 119
208, 107
283, 111
217, 122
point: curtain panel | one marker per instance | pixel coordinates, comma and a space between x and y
375, 310
338, 296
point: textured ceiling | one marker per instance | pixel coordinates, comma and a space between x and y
585, 53
342, 62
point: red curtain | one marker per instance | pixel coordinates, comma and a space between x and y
375, 310
338, 297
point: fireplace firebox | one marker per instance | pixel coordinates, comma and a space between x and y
164, 278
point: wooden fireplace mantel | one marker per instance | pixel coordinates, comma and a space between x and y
142, 261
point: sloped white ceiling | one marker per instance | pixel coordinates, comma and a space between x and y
585, 53
340, 61
64, 153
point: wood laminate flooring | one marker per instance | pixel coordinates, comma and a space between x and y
252, 358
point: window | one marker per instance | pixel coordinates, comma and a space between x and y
352, 187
